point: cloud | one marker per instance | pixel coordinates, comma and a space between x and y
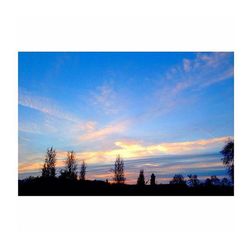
181, 82
186, 65
55, 121
170, 148
204, 70
105, 99
133, 149
96, 134
30, 127
44, 105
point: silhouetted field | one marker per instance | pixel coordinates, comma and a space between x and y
57, 187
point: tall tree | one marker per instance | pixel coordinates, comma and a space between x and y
70, 170
49, 166
228, 158
141, 179
152, 179
83, 171
118, 171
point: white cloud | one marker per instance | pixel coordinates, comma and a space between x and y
96, 134
186, 65
132, 149
105, 99
204, 70
44, 105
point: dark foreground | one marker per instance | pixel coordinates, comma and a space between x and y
57, 187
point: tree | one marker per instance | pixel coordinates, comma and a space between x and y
70, 170
228, 158
193, 180
178, 179
225, 182
83, 171
208, 182
214, 180
119, 171
152, 179
49, 166
141, 179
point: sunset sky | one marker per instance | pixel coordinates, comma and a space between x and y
138, 105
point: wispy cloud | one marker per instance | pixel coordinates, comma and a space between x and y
139, 150
55, 120
105, 99
204, 70
132, 149
95, 134
190, 76
44, 105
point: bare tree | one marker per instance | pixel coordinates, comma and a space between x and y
118, 171
70, 170
83, 171
49, 167
228, 158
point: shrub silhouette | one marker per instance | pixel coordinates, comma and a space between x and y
178, 179
228, 158
225, 182
141, 179
213, 181
193, 180
118, 171
49, 167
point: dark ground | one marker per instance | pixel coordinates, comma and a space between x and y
57, 187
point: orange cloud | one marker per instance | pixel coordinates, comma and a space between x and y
132, 149
94, 134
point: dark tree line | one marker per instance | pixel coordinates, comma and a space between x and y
70, 170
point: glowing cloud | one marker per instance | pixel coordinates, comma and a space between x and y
95, 134
132, 149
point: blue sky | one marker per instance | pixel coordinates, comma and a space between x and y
135, 104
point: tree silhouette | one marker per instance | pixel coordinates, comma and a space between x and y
193, 180
49, 167
83, 171
214, 180
141, 179
178, 179
225, 182
119, 171
208, 182
152, 179
70, 170
228, 158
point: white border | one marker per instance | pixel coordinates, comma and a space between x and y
146, 222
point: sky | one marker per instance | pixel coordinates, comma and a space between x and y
143, 106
